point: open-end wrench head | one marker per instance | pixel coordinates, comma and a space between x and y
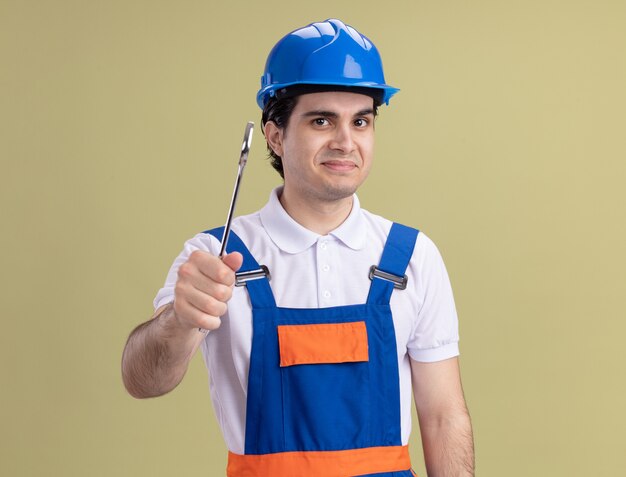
247, 141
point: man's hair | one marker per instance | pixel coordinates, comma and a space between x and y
279, 108
279, 111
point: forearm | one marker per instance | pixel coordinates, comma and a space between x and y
448, 446
157, 355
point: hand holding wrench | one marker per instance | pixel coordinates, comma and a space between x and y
243, 160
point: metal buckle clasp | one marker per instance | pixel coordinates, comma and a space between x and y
398, 281
242, 277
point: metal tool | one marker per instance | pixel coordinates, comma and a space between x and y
243, 159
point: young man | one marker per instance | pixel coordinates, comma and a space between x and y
311, 372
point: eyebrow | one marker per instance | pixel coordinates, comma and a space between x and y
330, 114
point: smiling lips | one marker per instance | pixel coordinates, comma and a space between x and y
339, 166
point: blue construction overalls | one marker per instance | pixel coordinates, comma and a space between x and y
323, 387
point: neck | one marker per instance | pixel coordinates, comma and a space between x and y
320, 217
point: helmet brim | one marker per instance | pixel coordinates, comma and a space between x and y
381, 93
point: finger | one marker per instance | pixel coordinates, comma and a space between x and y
210, 266
193, 317
205, 302
233, 260
190, 276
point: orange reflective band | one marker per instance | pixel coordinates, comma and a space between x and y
323, 343
345, 463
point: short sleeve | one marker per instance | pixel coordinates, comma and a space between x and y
434, 334
201, 241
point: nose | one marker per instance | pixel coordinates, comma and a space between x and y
342, 140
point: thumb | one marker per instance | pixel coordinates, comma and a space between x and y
233, 260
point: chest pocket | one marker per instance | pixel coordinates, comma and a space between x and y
326, 386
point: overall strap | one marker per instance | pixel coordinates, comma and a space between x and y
260, 292
394, 262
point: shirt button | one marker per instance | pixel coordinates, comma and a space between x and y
326, 294
325, 268
323, 246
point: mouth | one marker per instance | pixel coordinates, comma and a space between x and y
339, 165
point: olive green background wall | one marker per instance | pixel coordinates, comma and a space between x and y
120, 126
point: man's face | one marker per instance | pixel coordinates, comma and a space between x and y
327, 148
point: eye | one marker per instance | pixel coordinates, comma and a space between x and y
320, 121
361, 122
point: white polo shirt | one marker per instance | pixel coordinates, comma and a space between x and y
313, 271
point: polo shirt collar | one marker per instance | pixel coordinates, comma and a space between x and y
291, 237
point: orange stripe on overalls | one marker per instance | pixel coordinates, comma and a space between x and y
323, 464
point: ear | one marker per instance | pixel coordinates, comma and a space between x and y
274, 137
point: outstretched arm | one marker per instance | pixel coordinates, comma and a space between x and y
158, 351
157, 354
444, 420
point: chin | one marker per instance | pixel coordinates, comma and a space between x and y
334, 192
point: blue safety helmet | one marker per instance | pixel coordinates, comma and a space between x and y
322, 56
